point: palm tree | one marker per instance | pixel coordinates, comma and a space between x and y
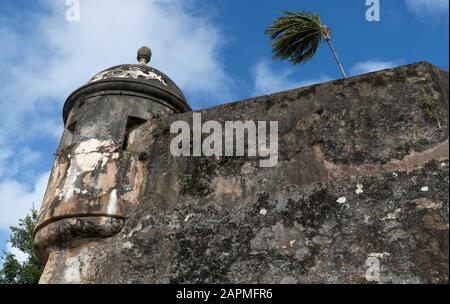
297, 36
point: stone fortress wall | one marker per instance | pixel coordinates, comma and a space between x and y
362, 178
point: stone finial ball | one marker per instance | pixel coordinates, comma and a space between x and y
144, 54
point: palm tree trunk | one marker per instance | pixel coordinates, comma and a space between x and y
336, 57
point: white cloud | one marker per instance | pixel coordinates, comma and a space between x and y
185, 46
13, 162
372, 66
16, 199
5, 155
422, 7
20, 255
267, 80
28, 156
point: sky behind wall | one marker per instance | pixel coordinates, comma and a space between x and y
216, 51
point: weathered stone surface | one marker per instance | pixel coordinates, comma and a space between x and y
362, 173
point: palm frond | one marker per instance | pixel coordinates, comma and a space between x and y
296, 36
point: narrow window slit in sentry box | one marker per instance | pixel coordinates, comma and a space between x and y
133, 123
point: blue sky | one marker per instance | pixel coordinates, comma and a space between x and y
216, 51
